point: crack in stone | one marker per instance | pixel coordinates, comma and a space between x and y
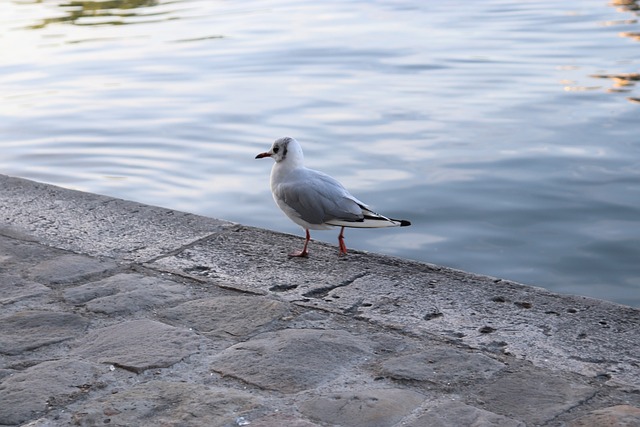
578, 404
354, 308
179, 250
324, 291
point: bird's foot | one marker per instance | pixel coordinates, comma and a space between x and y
300, 254
303, 253
341, 244
343, 249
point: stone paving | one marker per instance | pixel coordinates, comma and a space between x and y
115, 313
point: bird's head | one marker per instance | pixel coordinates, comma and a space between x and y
285, 148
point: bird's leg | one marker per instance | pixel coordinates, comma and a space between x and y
303, 253
343, 247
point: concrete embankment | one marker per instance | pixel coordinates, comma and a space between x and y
117, 313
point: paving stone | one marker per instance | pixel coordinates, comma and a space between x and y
227, 316
126, 293
161, 403
535, 395
456, 414
30, 329
138, 345
280, 420
27, 394
13, 289
68, 269
291, 360
441, 365
371, 408
18, 255
613, 416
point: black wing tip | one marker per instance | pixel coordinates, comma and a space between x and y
401, 222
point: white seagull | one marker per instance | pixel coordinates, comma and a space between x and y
314, 200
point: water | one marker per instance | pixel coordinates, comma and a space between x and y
506, 131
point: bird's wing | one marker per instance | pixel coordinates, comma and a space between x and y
318, 198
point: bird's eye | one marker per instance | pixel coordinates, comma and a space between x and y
276, 149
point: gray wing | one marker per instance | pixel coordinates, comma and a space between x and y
319, 198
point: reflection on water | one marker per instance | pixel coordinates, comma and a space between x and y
623, 82
626, 5
631, 34
102, 12
499, 128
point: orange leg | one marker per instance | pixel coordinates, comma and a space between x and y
343, 247
303, 253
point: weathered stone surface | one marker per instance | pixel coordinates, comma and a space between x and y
371, 408
30, 329
614, 416
442, 365
211, 258
27, 394
280, 420
138, 345
291, 360
536, 396
456, 414
126, 293
369, 321
19, 255
68, 269
234, 316
13, 289
551, 331
161, 403
97, 225
6, 372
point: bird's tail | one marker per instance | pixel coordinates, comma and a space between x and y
370, 219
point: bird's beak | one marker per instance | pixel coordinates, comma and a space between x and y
261, 155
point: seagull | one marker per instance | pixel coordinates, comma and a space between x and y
314, 200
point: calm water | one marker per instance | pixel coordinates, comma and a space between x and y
507, 131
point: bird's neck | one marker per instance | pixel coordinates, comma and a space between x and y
282, 169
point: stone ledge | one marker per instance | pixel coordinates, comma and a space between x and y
113, 311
